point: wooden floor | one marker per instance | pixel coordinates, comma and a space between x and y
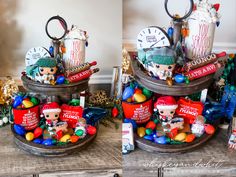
211, 159
102, 158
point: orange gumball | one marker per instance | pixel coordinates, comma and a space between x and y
151, 125
189, 138
74, 138
209, 129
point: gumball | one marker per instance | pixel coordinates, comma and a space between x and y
91, 130
29, 136
38, 132
151, 125
129, 100
60, 80
17, 101
209, 129
128, 92
74, 138
19, 129
65, 138
179, 78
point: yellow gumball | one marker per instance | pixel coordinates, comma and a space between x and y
65, 138
27, 104
139, 97
29, 136
129, 100
180, 137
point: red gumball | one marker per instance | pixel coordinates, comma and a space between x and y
115, 112
151, 125
38, 132
91, 130
209, 129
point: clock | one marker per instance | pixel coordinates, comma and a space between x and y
152, 37
34, 54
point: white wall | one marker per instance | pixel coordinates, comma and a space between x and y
100, 18
138, 14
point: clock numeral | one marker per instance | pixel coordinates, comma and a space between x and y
149, 31
139, 40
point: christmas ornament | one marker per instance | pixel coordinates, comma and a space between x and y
115, 112
128, 92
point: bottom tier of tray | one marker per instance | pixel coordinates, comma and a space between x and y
171, 148
53, 151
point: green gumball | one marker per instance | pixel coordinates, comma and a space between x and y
147, 93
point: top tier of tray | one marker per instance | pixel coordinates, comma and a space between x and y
161, 87
48, 89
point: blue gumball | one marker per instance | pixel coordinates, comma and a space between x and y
60, 80
133, 122
17, 101
19, 129
38, 141
128, 92
179, 78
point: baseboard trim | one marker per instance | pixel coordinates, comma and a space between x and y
96, 79
218, 47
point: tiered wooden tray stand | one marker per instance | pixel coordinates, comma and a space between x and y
62, 93
161, 87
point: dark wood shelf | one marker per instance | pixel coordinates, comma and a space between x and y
161, 87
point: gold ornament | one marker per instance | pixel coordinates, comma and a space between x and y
8, 88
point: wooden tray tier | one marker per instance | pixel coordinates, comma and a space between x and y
59, 93
52, 151
161, 87
48, 89
170, 148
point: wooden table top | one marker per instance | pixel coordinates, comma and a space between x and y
103, 153
212, 158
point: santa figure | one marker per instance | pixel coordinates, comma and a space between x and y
166, 106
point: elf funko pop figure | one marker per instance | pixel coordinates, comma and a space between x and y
43, 71
166, 106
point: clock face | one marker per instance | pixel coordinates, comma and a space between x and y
152, 37
34, 54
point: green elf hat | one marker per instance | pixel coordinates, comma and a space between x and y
46, 62
162, 56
